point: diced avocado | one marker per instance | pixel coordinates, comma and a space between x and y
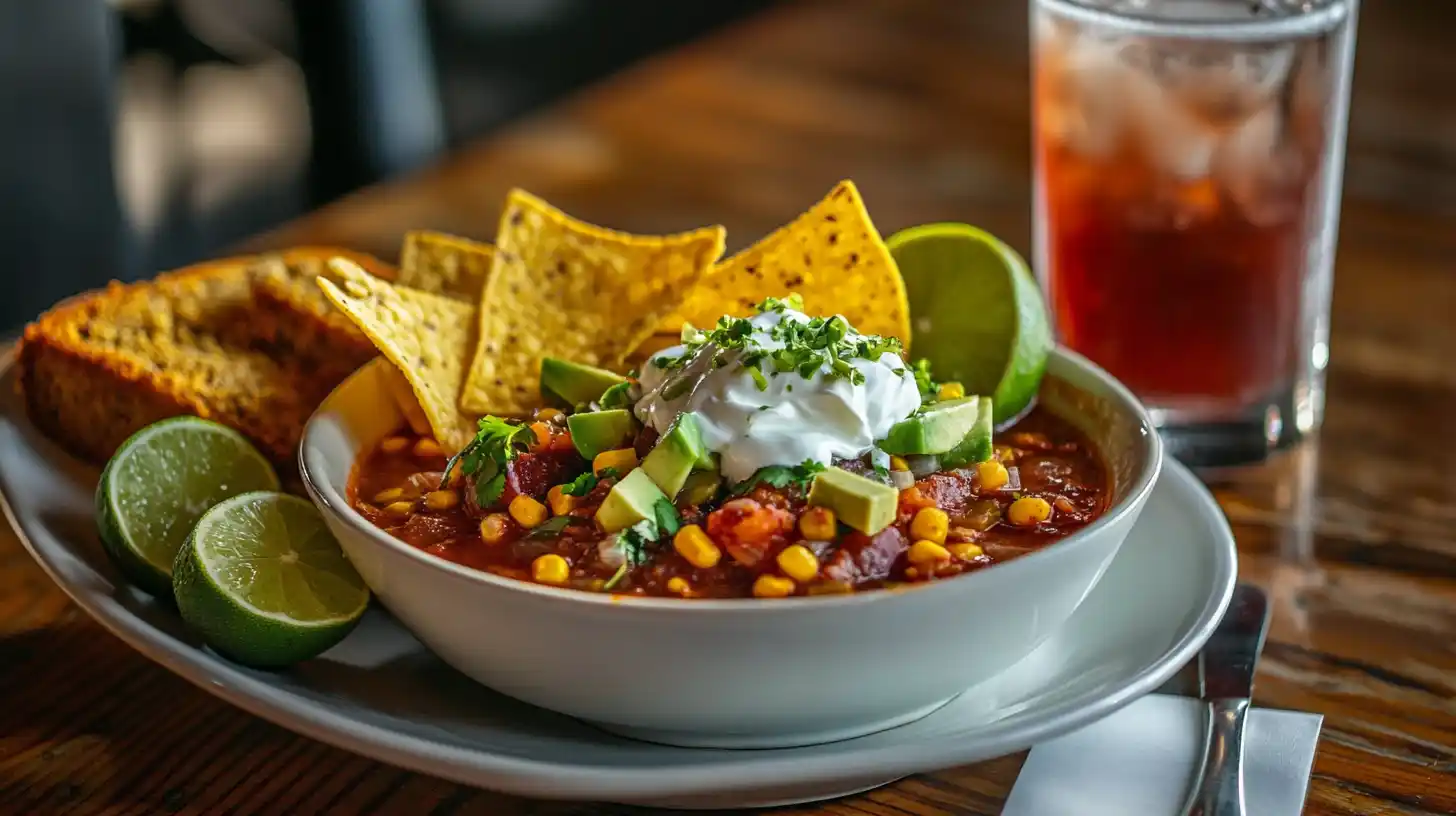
599, 431
938, 428
701, 487
676, 454
573, 383
864, 504
618, 396
629, 501
976, 446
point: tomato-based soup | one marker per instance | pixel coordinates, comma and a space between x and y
1044, 482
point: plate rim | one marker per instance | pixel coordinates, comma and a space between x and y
553, 779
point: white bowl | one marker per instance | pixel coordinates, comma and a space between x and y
743, 672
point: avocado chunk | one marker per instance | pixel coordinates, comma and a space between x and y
677, 453
599, 431
976, 446
864, 504
701, 487
629, 501
573, 384
938, 428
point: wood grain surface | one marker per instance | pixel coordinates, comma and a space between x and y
925, 104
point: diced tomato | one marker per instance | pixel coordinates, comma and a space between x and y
749, 530
866, 558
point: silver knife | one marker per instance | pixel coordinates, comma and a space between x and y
1226, 682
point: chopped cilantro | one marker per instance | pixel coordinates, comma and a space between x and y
553, 526
496, 443
581, 485
780, 476
923, 381
636, 543
665, 514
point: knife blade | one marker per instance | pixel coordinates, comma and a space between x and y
1226, 680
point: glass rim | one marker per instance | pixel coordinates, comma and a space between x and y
1297, 25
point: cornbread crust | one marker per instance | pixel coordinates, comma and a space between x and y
220, 340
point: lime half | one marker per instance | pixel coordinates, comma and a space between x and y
265, 583
160, 482
976, 313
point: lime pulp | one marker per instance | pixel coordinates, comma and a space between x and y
160, 482
976, 313
263, 581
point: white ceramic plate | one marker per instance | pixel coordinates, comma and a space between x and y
381, 694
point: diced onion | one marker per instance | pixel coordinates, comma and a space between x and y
923, 465
901, 479
428, 480
1013, 481
612, 553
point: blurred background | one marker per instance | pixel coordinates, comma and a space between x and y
140, 135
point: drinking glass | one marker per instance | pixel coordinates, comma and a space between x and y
1188, 168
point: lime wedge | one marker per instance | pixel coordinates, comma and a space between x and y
976, 313
265, 583
160, 482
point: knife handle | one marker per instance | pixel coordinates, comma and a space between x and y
1221, 787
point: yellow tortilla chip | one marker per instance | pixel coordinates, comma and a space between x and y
445, 265
427, 337
831, 255
404, 396
564, 288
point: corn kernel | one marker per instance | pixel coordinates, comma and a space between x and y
950, 391
1028, 511
493, 528
427, 447
550, 569
772, 586
542, 432
527, 511
818, 524
549, 415
679, 585
930, 524
622, 459
694, 545
400, 508
898, 463
560, 502
799, 563
927, 553
992, 475
965, 550
441, 499
393, 494
394, 444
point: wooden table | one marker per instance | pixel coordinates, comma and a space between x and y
924, 104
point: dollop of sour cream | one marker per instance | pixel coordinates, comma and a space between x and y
792, 419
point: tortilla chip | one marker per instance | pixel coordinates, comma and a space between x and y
564, 288
831, 255
404, 396
445, 265
427, 337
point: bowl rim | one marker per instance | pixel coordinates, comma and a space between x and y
331, 500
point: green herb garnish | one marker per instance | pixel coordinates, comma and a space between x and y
637, 543
665, 514
923, 381
496, 443
780, 476
553, 526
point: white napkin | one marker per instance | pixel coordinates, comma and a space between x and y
1141, 761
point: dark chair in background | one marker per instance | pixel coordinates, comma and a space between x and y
138, 135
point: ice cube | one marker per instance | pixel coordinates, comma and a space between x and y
1175, 142
1261, 170
1088, 109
